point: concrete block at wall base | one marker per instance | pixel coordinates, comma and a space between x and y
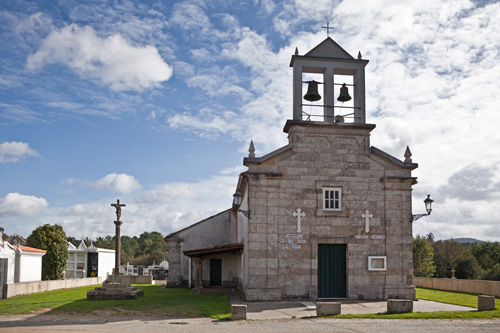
328, 308
485, 303
399, 305
238, 312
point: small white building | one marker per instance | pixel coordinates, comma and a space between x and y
7, 263
28, 264
19, 263
89, 261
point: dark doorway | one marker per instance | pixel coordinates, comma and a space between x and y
4, 266
332, 271
216, 272
92, 264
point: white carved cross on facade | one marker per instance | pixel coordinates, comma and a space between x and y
298, 214
367, 215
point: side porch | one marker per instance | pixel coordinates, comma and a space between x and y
217, 266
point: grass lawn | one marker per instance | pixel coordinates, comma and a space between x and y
157, 302
443, 297
181, 303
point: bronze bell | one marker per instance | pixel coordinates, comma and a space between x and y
344, 94
312, 94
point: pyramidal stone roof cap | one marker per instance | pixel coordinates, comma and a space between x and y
327, 49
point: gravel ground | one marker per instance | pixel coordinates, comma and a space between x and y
55, 323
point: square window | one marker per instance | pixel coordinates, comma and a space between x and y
332, 198
378, 263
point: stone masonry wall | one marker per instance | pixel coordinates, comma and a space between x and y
332, 155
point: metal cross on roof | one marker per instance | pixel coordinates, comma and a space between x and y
327, 29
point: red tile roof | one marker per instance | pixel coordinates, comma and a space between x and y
30, 249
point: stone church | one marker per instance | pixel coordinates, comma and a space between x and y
326, 216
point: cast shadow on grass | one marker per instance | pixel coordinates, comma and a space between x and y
157, 303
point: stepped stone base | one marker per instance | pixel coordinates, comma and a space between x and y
114, 290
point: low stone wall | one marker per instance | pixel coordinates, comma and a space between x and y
137, 279
481, 287
26, 288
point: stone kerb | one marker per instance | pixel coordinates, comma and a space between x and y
399, 306
238, 312
485, 303
328, 308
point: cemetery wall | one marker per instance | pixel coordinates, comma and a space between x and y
136, 279
27, 288
482, 287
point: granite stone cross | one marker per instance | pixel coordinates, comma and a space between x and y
118, 223
118, 207
367, 215
298, 214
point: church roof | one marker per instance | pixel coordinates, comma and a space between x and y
266, 157
392, 159
194, 224
329, 49
214, 250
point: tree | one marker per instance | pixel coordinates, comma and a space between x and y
467, 267
487, 254
423, 257
148, 248
446, 256
488, 257
51, 238
492, 274
450, 255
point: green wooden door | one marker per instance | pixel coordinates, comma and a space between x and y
216, 272
332, 271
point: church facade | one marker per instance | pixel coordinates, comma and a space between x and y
326, 216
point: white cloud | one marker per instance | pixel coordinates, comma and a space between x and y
120, 183
432, 84
165, 208
69, 181
12, 152
189, 16
267, 6
15, 204
112, 60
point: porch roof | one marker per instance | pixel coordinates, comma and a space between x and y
235, 247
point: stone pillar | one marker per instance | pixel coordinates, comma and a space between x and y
485, 303
328, 95
198, 285
174, 262
238, 312
328, 308
117, 248
399, 306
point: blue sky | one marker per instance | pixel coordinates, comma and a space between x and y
155, 103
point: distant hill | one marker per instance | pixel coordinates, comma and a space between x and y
466, 240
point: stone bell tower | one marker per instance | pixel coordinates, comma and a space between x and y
331, 215
334, 65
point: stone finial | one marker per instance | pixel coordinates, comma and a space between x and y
359, 55
296, 51
251, 150
408, 155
